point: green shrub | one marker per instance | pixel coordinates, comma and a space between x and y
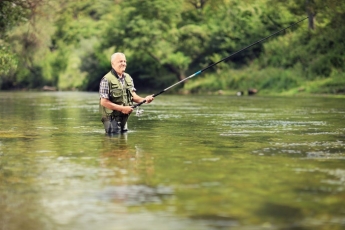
335, 84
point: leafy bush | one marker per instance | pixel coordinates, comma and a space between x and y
335, 84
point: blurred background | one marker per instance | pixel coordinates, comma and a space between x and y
66, 45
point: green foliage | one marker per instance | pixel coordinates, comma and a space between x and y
265, 80
279, 81
335, 84
12, 13
8, 62
96, 65
8, 59
318, 51
149, 28
67, 44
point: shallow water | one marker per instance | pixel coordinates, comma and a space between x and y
189, 162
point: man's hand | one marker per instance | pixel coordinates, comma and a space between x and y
126, 109
149, 98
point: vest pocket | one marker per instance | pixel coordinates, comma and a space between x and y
116, 93
107, 111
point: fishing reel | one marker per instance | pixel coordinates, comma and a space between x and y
139, 111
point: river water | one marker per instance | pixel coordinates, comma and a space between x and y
188, 162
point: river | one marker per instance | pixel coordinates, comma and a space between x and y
188, 162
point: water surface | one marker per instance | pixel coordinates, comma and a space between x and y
189, 162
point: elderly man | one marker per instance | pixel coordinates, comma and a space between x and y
117, 94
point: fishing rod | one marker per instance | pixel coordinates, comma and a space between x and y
208, 67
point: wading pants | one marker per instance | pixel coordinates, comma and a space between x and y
112, 126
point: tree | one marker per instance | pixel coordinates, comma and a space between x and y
149, 28
321, 49
12, 14
182, 35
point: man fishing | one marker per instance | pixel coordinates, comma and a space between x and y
117, 94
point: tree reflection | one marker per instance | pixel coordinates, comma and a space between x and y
127, 162
127, 173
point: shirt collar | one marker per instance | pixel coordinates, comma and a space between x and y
116, 75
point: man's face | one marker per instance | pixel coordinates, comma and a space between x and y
119, 63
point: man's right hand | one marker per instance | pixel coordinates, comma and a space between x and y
126, 109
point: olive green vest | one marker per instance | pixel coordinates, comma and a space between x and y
118, 94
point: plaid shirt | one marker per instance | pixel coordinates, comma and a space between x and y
104, 87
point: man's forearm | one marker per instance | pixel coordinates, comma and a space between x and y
137, 98
108, 104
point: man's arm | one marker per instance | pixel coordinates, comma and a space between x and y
123, 109
138, 99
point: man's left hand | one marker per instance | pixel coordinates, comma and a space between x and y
149, 98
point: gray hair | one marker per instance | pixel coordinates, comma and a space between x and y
114, 55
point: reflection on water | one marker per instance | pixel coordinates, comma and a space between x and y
135, 195
188, 162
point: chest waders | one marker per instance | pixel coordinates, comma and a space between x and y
115, 121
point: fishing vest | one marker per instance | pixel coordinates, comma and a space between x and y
118, 94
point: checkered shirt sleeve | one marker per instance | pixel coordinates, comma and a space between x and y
104, 89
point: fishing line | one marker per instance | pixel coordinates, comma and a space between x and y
208, 67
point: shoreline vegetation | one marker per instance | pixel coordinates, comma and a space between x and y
66, 45
230, 93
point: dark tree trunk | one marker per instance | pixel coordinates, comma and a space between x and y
311, 13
